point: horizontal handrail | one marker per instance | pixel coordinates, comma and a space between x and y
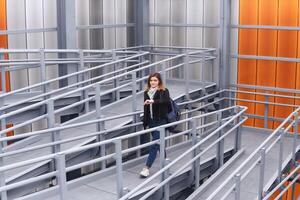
108, 141
262, 94
168, 166
76, 125
191, 161
71, 75
71, 85
106, 80
251, 156
266, 88
279, 185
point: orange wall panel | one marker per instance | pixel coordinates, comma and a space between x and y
297, 102
267, 45
287, 47
247, 46
3, 38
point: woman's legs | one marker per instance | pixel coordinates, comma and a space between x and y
153, 149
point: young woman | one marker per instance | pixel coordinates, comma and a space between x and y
156, 107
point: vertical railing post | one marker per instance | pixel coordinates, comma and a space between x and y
83, 77
205, 100
134, 93
57, 137
296, 124
231, 101
2, 174
44, 87
162, 142
3, 127
293, 192
261, 173
116, 82
196, 164
142, 72
266, 115
238, 138
279, 172
220, 145
162, 146
60, 160
98, 107
3, 77
43, 69
206, 107
3, 122
186, 75
237, 190
164, 73
134, 109
100, 125
51, 124
119, 167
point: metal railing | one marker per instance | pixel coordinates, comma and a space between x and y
292, 177
237, 120
81, 59
60, 158
266, 102
50, 102
98, 135
292, 121
51, 112
58, 130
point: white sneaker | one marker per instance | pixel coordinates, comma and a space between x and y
145, 172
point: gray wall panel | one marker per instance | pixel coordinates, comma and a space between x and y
162, 15
121, 18
109, 18
50, 38
130, 14
34, 19
82, 18
178, 16
96, 17
50, 14
16, 20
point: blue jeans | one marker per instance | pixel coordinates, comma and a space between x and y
155, 147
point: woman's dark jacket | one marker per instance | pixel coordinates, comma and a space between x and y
161, 106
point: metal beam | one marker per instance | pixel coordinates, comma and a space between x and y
22, 31
141, 21
185, 25
270, 58
267, 27
66, 35
102, 26
224, 73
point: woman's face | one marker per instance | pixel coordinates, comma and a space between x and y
154, 82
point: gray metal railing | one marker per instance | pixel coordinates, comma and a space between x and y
292, 177
196, 158
83, 75
60, 157
278, 136
50, 102
103, 121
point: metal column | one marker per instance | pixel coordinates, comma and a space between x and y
141, 22
66, 36
224, 73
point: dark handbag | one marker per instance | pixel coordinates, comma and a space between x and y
173, 115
